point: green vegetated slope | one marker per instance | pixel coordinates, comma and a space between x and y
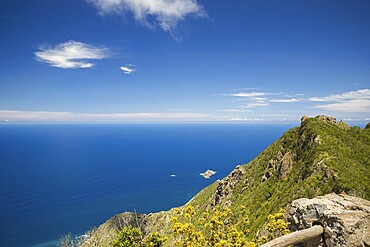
319, 157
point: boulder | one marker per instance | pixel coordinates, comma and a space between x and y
346, 219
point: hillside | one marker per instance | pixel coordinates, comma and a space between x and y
319, 157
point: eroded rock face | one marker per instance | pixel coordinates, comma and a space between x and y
285, 166
226, 185
281, 166
346, 219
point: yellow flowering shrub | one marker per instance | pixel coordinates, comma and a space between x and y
275, 227
219, 228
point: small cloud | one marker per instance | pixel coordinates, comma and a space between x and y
251, 99
167, 13
235, 110
128, 69
251, 94
292, 100
71, 55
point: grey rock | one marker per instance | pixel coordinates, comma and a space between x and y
346, 219
226, 185
328, 119
285, 166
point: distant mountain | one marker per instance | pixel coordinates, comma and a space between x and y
319, 157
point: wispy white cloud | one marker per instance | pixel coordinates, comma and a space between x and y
357, 119
356, 105
359, 94
249, 100
166, 12
236, 110
353, 101
254, 104
71, 55
51, 116
247, 94
128, 69
265, 97
247, 119
291, 100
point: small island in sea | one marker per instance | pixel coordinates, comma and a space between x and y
207, 174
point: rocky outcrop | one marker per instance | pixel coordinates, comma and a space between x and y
226, 185
304, 118
325, 170
105, 233
282, 165
345, 219
332, 120
285, 166
327, 119
324, 118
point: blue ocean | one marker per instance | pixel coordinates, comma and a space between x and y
56, 179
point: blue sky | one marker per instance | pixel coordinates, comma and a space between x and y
183, 60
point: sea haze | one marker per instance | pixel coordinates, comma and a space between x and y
56, 179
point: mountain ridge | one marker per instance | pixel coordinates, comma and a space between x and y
318, 157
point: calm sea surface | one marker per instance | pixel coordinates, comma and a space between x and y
56, 179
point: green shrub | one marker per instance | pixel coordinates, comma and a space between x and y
133, 237
127, 237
